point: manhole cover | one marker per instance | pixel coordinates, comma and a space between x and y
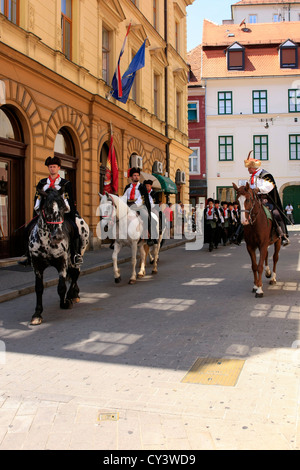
107, 416
212, 371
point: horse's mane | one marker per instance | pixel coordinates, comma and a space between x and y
121, 205
51, 195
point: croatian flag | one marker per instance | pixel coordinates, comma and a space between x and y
137, 63
117, 80
111, 182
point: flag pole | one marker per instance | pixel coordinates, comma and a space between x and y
117, 75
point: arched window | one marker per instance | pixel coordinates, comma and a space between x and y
103, 159
12, 209
9, 125
64, 148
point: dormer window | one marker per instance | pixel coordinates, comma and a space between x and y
288, 52
236, 57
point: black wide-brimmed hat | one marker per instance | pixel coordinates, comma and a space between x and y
134, 170
53, 161
148, 182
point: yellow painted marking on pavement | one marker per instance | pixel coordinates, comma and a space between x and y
213, 371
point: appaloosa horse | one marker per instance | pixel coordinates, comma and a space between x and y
126, 229
49, 245
259, 233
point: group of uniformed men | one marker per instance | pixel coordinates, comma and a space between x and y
222, 223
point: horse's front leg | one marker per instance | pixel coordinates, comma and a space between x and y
62, 289
260, 268
133, 262
73, 292
267, 268
39, 289
144, 253
115, 262
277, 246
155, 258
252, 254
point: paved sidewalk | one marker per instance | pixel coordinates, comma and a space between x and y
17, 280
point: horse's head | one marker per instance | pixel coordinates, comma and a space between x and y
52, 211
107, 213
247, 198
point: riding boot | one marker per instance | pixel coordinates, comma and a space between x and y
77, 259
280, 232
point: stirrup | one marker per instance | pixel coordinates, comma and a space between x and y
78, 260
285, 241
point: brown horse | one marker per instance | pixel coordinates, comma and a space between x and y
259, 234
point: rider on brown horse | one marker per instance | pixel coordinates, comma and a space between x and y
267, 190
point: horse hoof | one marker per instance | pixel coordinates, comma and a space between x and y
272, 283
132, 281
254, 290
268, 275
140, 276
66, 305
117, 280
154, 272
259, 295
36, 321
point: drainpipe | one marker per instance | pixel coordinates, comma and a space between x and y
166, 94
166, 88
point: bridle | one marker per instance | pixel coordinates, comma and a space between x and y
109, 215
253, 200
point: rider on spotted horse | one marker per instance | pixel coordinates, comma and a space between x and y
55, 181
267, 191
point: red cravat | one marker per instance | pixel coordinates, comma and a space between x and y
132, 192
52, 182
252, 177
209, 211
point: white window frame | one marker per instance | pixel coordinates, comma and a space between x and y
196, 151
197, 109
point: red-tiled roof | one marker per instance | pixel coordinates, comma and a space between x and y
259, 33
194, 60
261, 60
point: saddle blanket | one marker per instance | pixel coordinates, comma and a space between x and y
268, 212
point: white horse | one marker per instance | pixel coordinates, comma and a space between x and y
127, 230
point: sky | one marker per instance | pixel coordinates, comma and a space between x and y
214, 10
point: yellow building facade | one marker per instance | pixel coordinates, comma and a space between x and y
57, 60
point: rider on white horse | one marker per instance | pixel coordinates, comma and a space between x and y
55, 181
137, 197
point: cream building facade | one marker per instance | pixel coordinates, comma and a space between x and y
252, 103
57, 61
265, 11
